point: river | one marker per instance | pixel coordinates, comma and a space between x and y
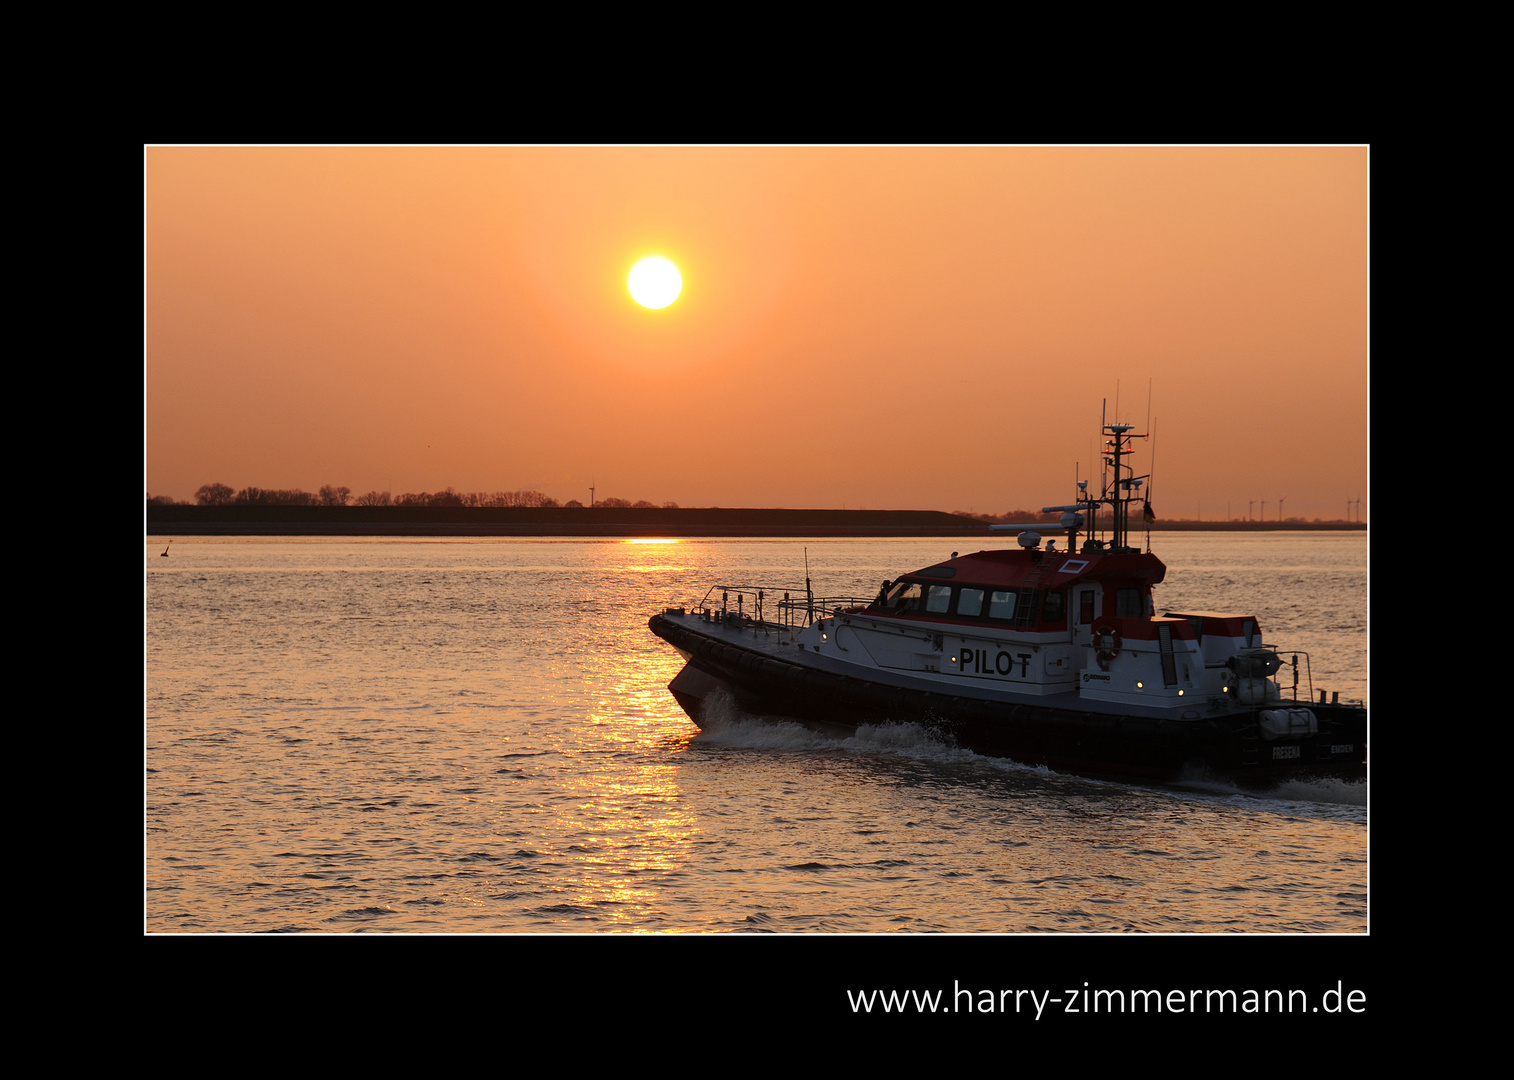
475, 736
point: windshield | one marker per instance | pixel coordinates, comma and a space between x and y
902, 599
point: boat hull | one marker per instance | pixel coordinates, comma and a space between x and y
1033, 732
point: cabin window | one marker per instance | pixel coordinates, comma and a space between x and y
938, 599
1085, 607
970, 603
904, 598
1054, 607
1129, 604
1001, 604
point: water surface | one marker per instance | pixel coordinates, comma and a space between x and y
475, 735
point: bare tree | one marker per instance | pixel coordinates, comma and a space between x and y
428, 498
374, 498
214, 495
335, 496
275, 497
532, 498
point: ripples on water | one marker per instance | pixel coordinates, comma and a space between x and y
475, 735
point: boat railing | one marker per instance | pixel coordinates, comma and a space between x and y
820, 607
789, 608
1295, 674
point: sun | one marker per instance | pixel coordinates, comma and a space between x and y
655, 282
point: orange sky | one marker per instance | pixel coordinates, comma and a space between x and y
928, 328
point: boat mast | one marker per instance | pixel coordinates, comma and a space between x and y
1116, 450
1119, 496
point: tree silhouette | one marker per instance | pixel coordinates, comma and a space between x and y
336, 495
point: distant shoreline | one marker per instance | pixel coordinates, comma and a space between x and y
645, 522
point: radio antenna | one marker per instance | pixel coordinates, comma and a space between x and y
1103, 472
1147, 514
1151, 476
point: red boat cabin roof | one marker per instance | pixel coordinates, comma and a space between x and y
1013, 567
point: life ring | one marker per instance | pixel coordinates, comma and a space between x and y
1106, 644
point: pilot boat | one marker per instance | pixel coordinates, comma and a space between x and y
1050, 657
